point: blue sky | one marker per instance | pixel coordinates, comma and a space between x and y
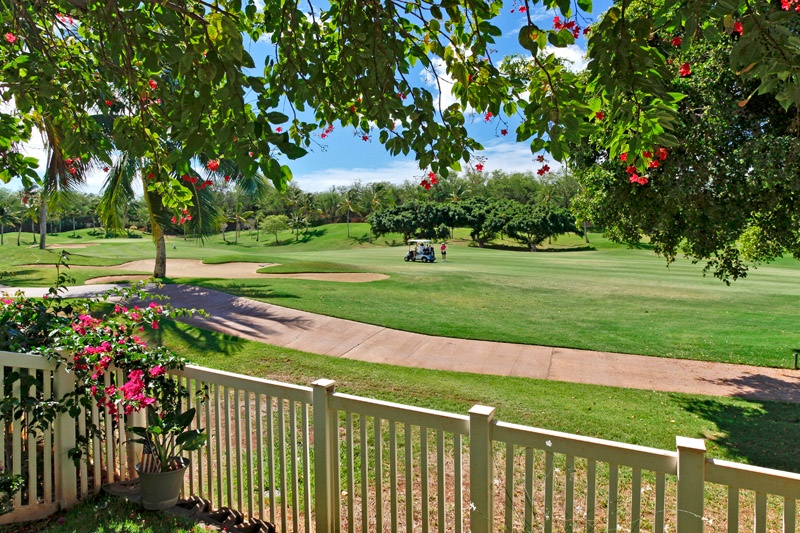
345, 158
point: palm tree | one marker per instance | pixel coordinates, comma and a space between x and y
61, 178
348, 205
7, 218
118, 193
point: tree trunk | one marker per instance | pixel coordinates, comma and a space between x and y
2, 233
43, 224
585, 232
160, 268
348, 223
19, 233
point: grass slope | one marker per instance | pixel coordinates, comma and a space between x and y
601, 296
761, 433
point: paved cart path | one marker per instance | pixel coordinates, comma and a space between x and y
337, 337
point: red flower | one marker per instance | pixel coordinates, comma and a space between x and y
557, 23
653, 164
105, 169
479, 167
599, 115
434, 180
676, 41
661, 153
431, 174
401, 96
586, 31
278, 130
631, 169
10, 38
647, 155
73, 170
153, 84
685, 70
522, 9
488, 116
352, 109
150, 176
68, 161
738, 28
174, 220
623, 157
365, 138
154, 325
425, 184
540, 159
504, 132
641, 180
109, 103
540, 172
213, 165
227, 179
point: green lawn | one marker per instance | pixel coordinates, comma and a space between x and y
606, 297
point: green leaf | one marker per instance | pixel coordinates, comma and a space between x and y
277, 118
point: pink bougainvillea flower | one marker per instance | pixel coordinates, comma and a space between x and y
685, 70
153, 84
213, 165
10, 38
157, 370
154, 324
599, 115
676, 41
738, 28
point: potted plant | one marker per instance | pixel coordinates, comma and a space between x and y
98, 343
162, 468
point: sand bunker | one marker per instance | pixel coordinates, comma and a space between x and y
194, 268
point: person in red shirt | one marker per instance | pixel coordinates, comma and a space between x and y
443, 249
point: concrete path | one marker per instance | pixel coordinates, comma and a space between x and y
336, 337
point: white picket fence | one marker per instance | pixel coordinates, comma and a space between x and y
311, 459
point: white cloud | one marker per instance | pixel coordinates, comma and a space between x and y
321, 180
512, 157
440, 81
574, 55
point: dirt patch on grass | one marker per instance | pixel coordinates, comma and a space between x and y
194, 268
70, 245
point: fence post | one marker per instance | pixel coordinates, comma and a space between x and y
325, 460
691, 484
64, 439
481, 469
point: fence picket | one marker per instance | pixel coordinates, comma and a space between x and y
636, 500
591, 494
569, 494
733, 510
760, 519
351, 468
509, 495
393, 519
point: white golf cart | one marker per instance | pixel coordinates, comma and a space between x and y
420, 250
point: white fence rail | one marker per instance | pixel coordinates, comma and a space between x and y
310, 459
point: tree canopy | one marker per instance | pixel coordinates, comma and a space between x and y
172, 83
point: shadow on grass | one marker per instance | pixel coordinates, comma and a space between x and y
249, 291
521, 248
763, 433
205, 340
